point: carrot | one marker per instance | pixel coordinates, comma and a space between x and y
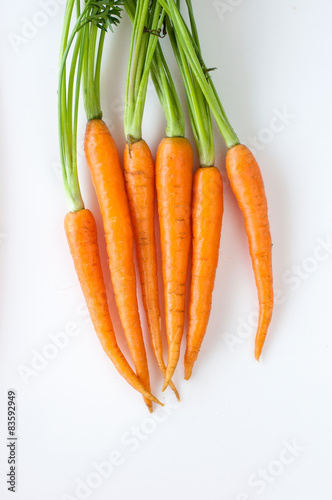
207, 215
207, 206
79, 223
139, 166
181, 150
81, 235
107, 176
174, 171
248, 187
139, 176
108, 179
242, 169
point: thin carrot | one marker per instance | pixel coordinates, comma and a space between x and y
207, 206
173, 178
248, 187
147, 18
140, 183
80, 225
174, 172
81, 235
243, 170
108, 179
207, 214
107, 176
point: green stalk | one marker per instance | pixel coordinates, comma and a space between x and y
81, 44
98, 64
142, 48
163, 83
167, 94
68, 131
187, 42
91, 91
157, 23
199, 112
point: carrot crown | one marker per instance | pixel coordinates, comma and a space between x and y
186, 42
78, 44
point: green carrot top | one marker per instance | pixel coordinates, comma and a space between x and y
148, 19
189, 45
199, 111
78, 44
151, 60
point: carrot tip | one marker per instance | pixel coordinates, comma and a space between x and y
172, 386
188, 371
155, 400
164, 386
258, 352
177, 395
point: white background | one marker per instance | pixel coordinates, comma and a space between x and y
236, 416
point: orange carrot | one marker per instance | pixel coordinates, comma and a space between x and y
140, 183
174, 171
107, 176
247, 185
81, 234
207, 215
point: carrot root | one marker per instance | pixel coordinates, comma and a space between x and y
81, 232
139, 173
207, 219
174, 170
248, 187
107, 176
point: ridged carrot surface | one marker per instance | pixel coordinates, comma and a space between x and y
174, 172
81, 234
207, 212
107, 176
248, 187
139, 172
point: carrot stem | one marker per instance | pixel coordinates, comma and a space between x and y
185, 39
164, 85
141, 54
199, 112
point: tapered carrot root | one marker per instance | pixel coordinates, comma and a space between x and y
140, 183
81, 234
174, 171
207, 215
248, 187
107, 176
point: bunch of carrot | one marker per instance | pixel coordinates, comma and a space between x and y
190, 207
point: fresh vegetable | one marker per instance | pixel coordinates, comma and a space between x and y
174, 173
262, 271
81, 235
105, 168
139, 166
247, 184
174, 164
80, 225
207, 206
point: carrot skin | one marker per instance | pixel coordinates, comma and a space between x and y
81, 232
174, 171
139, 173
248, 187
207, 213
107, 176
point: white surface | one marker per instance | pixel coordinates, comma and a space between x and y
236, 415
